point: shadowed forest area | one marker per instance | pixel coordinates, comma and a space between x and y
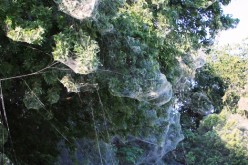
103, 82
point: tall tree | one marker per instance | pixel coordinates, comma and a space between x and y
66, 68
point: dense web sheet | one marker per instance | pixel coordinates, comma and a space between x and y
159, 133
78, 9
157, 143
157, 91
139, 77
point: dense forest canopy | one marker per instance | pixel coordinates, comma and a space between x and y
105, 82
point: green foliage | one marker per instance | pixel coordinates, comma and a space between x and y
220, 139
53, 95
227, 63
31, 101
232, 69
210, 82
129, 154
30, 28
190, 158
31, 34
71, 86
190, 16
135, 41
77, 51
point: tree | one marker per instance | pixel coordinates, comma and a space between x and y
202, 18
114, 53
218, 138
231, 65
